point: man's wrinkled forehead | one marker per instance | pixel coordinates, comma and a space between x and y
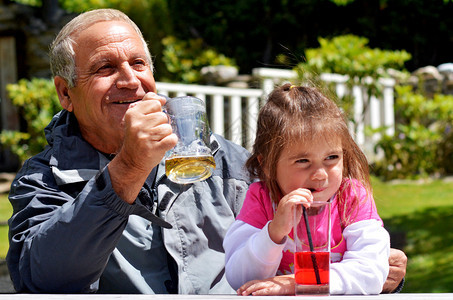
114, 39
101, 30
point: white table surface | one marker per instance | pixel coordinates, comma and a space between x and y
400, 296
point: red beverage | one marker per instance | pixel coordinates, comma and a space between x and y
305, 270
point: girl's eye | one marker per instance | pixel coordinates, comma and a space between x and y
302, 161
332, 157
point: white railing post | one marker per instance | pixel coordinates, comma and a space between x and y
252, 117
358, 109
201, 96
388, 104
235, 120
217, 109
375, 112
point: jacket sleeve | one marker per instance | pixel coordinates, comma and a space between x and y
250, 254
61, 243
365, 266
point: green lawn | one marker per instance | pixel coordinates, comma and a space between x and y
405, 198
419, 217
5, 212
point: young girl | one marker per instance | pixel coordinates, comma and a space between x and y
304, 152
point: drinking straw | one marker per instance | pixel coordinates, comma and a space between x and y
310, 241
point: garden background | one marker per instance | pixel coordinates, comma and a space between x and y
360, 38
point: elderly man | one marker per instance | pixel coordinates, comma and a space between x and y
94, 212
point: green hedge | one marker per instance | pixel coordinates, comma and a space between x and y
37, 101
423, 142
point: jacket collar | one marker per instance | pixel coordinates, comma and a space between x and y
72, 158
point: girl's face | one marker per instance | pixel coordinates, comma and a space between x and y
316, 166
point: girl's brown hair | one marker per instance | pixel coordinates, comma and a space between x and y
298, 113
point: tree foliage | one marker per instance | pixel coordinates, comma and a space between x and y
37, 101
255, 32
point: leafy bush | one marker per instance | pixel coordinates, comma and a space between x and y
423, 141
350, 55
184, 59
38, 102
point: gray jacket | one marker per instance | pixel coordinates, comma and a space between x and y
71, 233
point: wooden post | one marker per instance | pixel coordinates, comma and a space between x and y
8, 74
9, 118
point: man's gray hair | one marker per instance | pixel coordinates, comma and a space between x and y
62, 55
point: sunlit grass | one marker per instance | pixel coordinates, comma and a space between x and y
394, 199
421, 214
5, 213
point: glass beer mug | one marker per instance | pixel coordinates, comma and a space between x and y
191, 159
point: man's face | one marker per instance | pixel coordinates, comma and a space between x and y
112, 72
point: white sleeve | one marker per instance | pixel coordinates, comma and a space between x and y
250, 254
365, 265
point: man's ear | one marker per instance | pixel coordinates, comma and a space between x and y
63, 93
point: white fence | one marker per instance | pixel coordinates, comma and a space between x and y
233, 111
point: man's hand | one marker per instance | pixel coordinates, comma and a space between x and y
148, 135
278, 285
398, 263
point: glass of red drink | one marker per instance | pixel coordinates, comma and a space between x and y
312, 253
